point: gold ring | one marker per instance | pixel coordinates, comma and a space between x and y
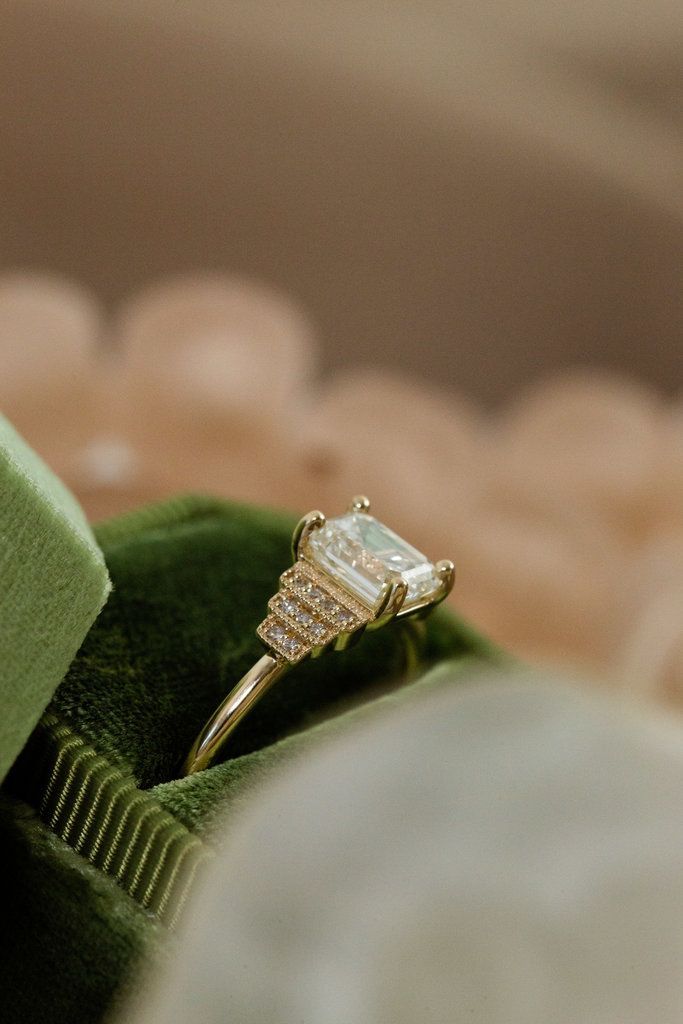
350, 573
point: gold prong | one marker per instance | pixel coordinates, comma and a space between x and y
359, 503
446, 573
314, 520
393, 596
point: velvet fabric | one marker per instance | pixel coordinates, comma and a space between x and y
191, 581
53, 582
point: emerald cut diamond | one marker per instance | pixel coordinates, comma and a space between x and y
361, 554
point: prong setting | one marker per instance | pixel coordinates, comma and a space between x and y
311, 522
446, 572
393, 595
350, 574
359, 503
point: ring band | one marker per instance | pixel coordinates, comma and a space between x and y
350, 574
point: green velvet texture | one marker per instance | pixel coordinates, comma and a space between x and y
229, 786
69, 936
53, 582
191, 581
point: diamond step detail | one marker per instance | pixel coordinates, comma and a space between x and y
308, 612
282, 640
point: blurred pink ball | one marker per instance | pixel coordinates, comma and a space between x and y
50, 331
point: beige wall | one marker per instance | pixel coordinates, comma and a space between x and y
480, 193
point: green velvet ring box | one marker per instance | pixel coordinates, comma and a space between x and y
191, 579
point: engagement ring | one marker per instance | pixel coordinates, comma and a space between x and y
350, 573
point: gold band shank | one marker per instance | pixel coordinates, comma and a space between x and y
228, 715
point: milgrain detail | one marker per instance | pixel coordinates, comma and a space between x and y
308, 612
98, 810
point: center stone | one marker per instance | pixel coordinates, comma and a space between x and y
360, 553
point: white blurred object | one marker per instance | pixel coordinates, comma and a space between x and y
214, 346
414, 448
589, 437
212, 378
50, 332
503, 853
108, 462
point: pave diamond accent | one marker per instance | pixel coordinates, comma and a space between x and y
294, 610
360, 553
308, 612
320, 593
281, 640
